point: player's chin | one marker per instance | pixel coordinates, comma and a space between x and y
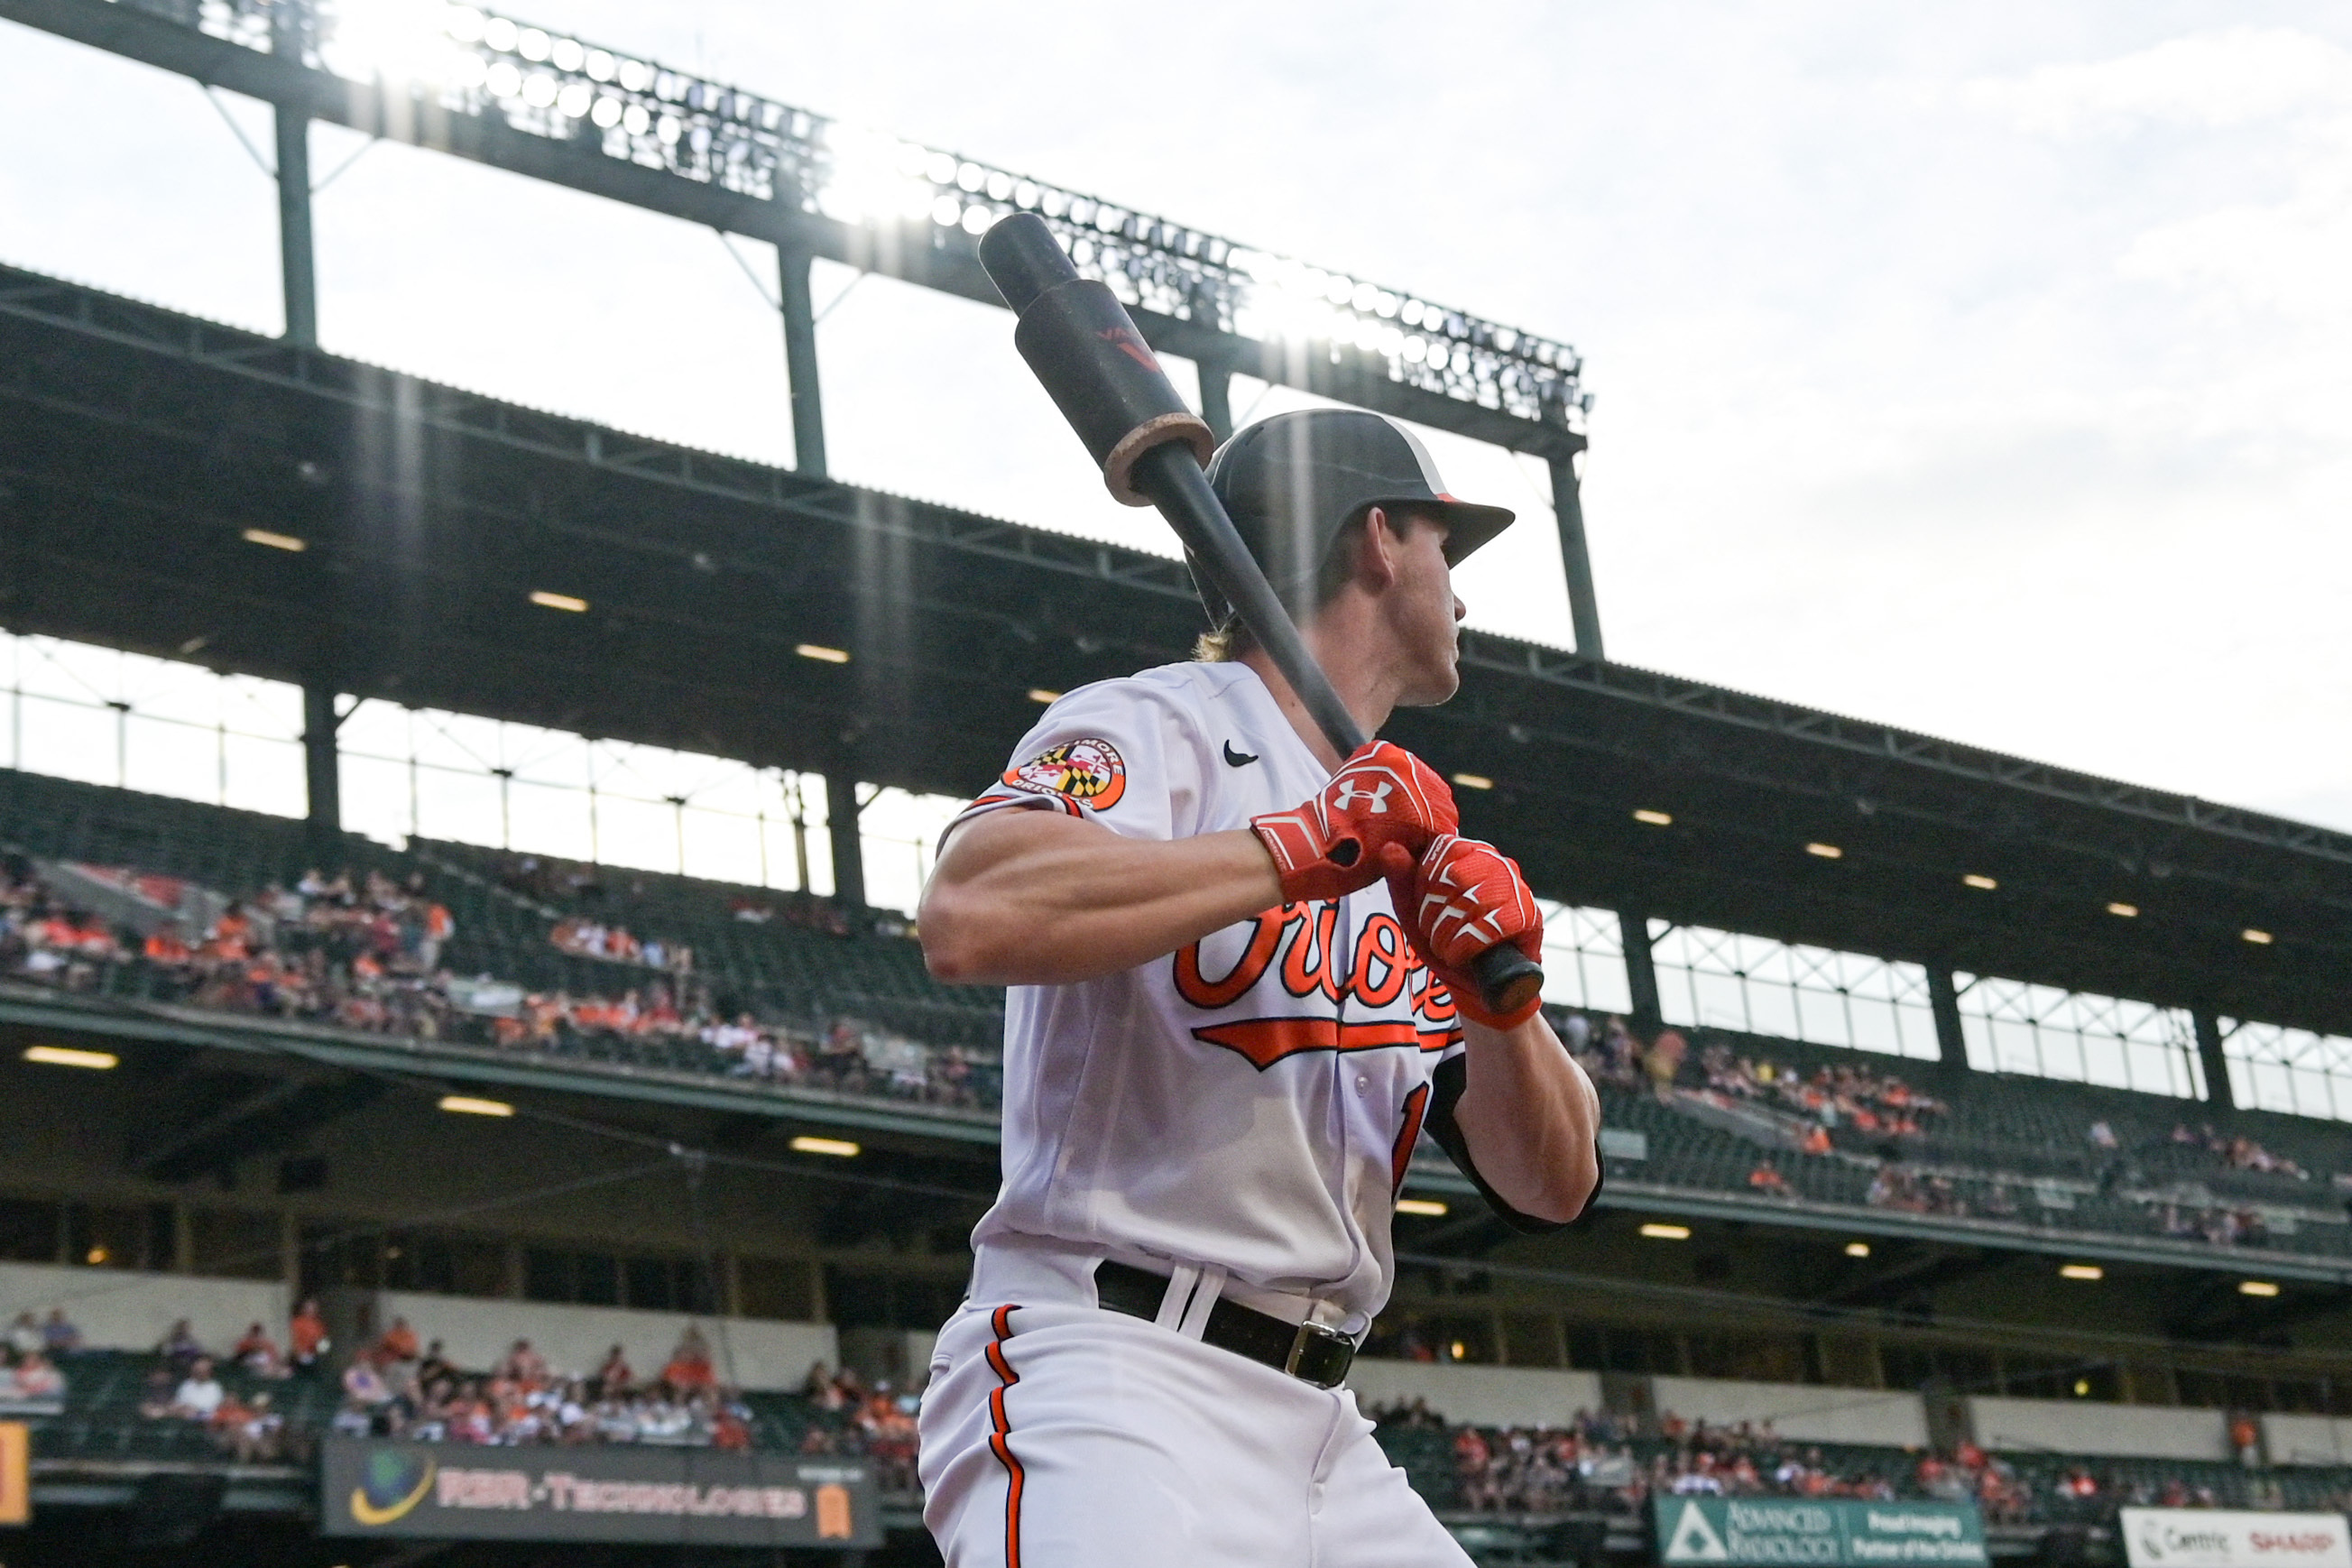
1438, 684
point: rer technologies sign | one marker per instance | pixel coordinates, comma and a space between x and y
689, 1496
1786, 1532
2219, 1538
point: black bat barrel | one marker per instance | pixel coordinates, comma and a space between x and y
1082, 345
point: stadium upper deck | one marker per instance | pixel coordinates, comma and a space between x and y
142, 444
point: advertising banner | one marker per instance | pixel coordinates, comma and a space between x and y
2219, 1538
1817, 1532
446, 1492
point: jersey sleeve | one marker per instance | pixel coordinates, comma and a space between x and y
1119, 752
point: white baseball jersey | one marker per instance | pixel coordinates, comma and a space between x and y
1247, 1103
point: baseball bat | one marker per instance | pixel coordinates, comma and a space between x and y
1103, 375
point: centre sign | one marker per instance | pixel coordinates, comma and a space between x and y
1818, 1532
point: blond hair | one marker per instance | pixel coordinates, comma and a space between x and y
1222, 644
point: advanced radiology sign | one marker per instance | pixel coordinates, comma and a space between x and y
1804, 1533
689, 1496
2219, 1538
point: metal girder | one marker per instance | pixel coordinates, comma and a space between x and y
630, 130
578, 442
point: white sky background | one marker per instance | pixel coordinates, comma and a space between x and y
1982, 369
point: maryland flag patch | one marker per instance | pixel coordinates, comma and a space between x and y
1087, 770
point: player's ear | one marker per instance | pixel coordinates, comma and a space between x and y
1376, 548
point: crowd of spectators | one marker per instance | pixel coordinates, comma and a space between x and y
2236, 1154
1849, 1096
1609, 1463
397, 1389
586, 938
400, 1386
363, 953
1894, 1186
877, 1423
355, 952
2218, 1225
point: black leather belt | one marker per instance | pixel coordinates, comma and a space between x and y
1307, 1352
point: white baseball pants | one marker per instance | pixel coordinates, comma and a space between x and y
1056, 1435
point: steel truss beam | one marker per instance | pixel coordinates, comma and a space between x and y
1521, 665
556, 108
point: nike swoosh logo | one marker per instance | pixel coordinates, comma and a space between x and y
1237, 758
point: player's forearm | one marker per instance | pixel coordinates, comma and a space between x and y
1026, 898
1530, 1117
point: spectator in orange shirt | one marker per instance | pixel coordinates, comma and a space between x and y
306, 1334
165, 945
690, 1363
398, 1343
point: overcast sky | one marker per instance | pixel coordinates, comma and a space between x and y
1985, 369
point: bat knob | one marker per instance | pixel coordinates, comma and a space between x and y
1508, 978
1024, 259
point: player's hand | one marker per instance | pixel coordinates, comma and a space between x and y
1463, 897
1379, 811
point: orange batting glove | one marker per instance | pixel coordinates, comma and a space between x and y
1379, 811
1463, 898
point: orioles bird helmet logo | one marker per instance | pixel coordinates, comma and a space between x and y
1087, 770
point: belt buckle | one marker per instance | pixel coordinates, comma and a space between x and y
1309, 1332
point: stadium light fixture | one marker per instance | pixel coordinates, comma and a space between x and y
1473, 781
1826, 851
467, 1105
1039, 694
823, 654
66, 1056
467, 60
1428, 1208
1654, 818
548, 601
1983, 884
2125, 912
1666, 1232
840, 1147
285, 541
2258, 937
1857, 1249
2257, 1287
2081, 1271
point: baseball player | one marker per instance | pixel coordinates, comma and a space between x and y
1238, 999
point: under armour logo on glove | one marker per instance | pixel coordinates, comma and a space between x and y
1465, 897
1372, 820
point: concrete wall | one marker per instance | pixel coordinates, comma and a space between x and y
1806, 1413
121, 1308
477, 1334
1487, 1396
2125, 1431
2308, 1441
